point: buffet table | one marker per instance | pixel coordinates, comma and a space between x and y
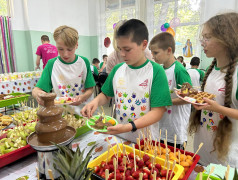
22, 86
27, 166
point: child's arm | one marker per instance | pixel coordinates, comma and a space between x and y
91, 107
35, 93
37, 62
83, 97
177, 101
214, 106
154, 115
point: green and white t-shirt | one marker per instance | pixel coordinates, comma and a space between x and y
196, 76
216, 84
175, 119
94, 69
136, 90
67, 79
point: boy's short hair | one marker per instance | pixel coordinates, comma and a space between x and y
104, 56
95, 61
195, 61
134, 29
67, 34
45, 38
163, 41
180, 57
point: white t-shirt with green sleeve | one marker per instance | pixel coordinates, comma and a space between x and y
67, 79
216, 84
197, 76
175, 119
136, 90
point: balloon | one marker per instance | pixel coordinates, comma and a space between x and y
163, 28
114, 25
174, 22
107, 42
166, 25
171, 31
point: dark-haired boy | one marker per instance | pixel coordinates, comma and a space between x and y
176, 119
196, 74
140, 86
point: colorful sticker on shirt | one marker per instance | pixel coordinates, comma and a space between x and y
124, 115
125, 107
169, 111
118, 112
208, 127
214, 128
132, 108
143, 100
171, 91
144, 84
76, 85
133, 95
211, 121
143, 108
129, 120
147, 95
59, 86
121, 100
210, 114
119, 106
204, 119
73, 89
205, 112
121, 118
71, 94
119, 94
142, 114
125, 95
138, 102
221, 116
68, 86
133, 115
129, 100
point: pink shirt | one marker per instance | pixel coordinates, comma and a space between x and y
46, 52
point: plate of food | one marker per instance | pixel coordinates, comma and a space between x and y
192, 95
64, 100
100, 123
5, 121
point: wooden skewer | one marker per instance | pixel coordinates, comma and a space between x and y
106, 174
115, 166
167, 172
227, 172
154, 175
153, 163
113, 109
175, 138
133, 146
212, 169
108, 149
179, 157
199, 147
110, 145
124, 162
124, 151
117, 155
200, 176
50, 174
141, 176
37, 173
184, 145
174, 163
138, 142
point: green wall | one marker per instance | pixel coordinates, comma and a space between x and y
26, 43
205, 61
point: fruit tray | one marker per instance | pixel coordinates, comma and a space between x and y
8, 102
196, 158
205, 176
97, 161
15, 155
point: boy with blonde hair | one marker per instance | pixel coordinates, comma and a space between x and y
139, 85
176, 119
69, 75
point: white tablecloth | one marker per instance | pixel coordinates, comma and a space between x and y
22, 86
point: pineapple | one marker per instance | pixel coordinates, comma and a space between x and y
71, 165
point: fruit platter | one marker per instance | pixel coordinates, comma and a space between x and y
186, 159
101, 122
64, 100
5, 121
13, 145
14, 98
192, 95
124, 161
26, 116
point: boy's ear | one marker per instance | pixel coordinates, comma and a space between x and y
77, 45
144, 44
170, 50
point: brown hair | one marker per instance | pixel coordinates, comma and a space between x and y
224, 28
163, 41
45, 38
114, 43
67, 34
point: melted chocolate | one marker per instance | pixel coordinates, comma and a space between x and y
51, 126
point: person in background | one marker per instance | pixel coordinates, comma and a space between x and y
45, 52
140, 86
196, 74
95, 66
176, 119
115, 58
102, 66
216, 124
181, 60
69, 75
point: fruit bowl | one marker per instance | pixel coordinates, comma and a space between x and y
195, 160
103, 157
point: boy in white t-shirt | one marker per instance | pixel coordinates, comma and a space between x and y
140, 86
176, 119
196, 74
69, 75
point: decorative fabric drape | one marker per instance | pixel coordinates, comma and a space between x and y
7, 54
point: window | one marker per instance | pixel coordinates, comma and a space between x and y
115, 10
188, 11
3, 7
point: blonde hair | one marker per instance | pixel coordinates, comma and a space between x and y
118, 25
223, 27
67, 34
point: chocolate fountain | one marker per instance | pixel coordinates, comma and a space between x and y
51, 128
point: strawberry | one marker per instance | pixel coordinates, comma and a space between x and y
103, 163
145, 175
131, 155
136, 174
111, 168
140, 163
130, 166
106, 167
121, 168
146, 170
118, 176
146, 158
96, 169
158, 166
163, 173
147, 163
69, 99
119, 160
128, 172
129, 178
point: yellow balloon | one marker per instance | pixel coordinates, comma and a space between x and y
171, 31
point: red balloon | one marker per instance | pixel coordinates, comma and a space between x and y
107, 42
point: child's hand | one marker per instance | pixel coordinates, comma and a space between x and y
78, 100
211, 105
89, 109
119, 128
38, 98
